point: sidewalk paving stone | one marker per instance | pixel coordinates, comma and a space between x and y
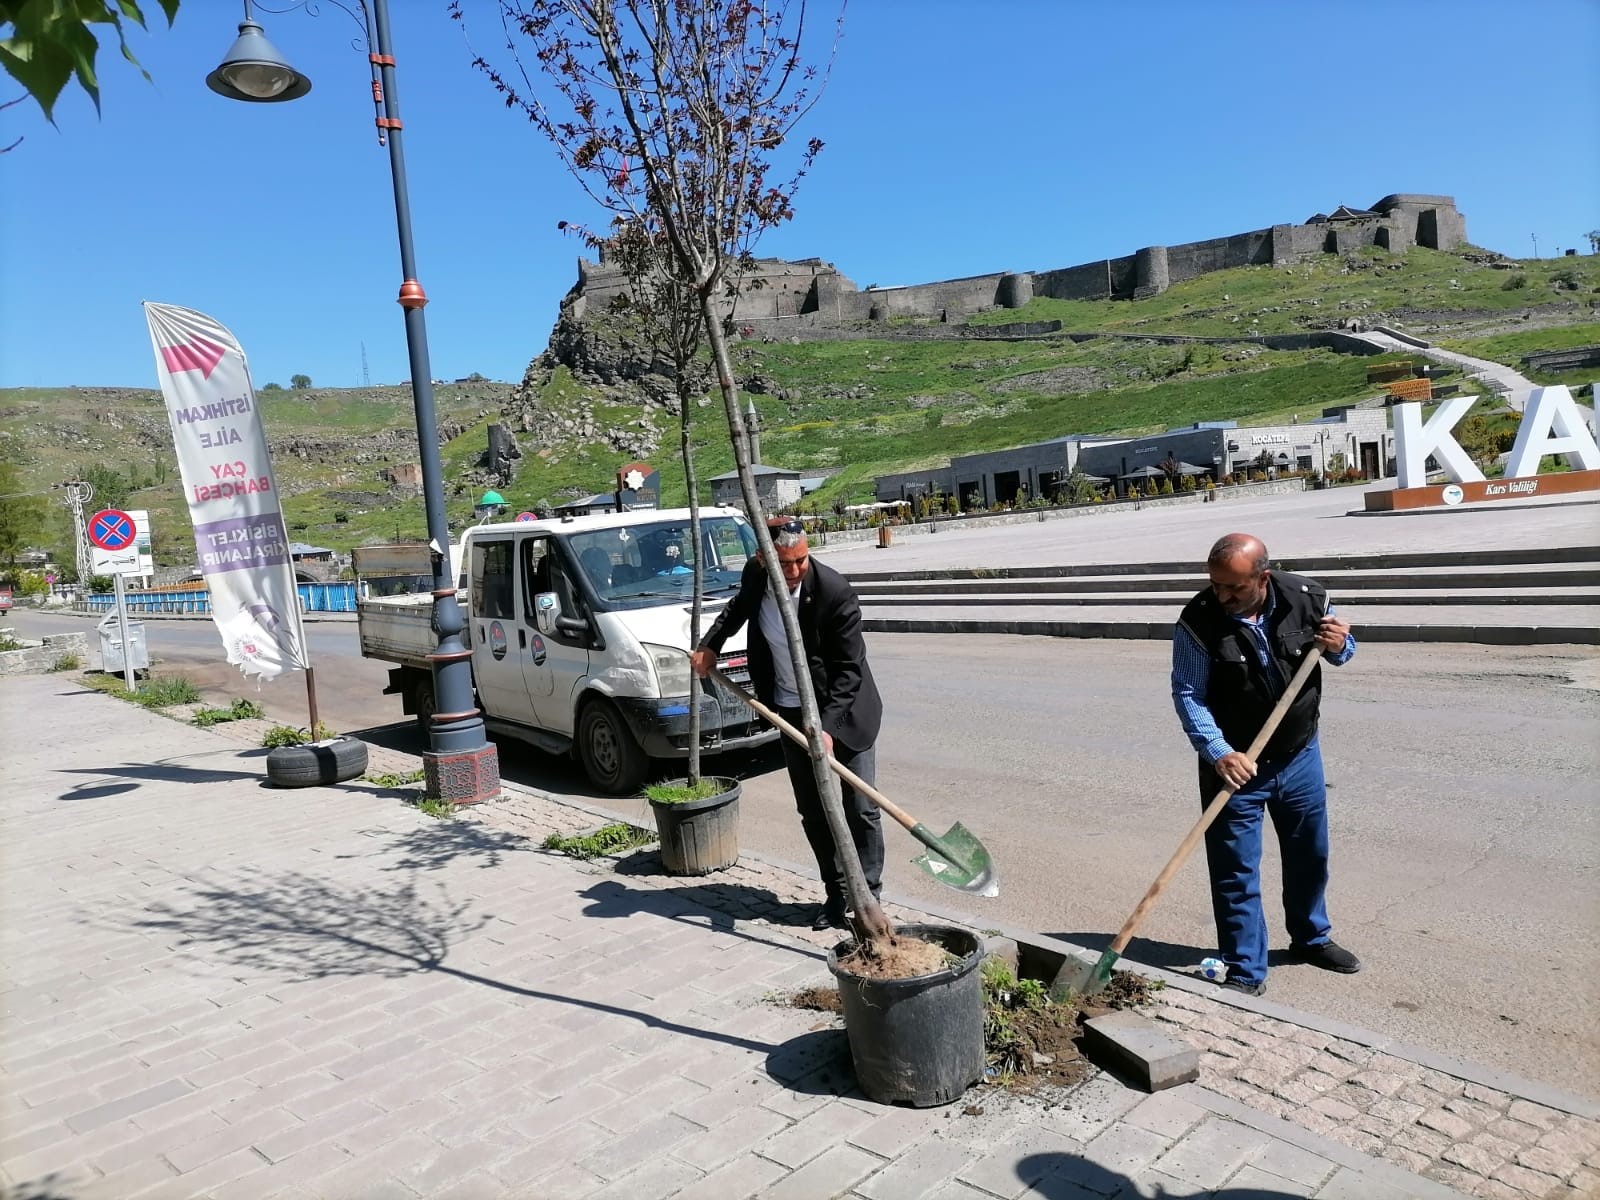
302, 993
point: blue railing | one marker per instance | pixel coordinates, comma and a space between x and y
314, 597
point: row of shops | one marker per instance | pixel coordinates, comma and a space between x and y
1344, 439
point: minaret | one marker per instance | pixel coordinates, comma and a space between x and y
752, 427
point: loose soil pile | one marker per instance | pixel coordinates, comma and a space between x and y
899, 957
1029, 1040
815, 999
1126, 990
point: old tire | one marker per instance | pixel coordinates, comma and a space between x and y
424, 705
317, 764
611, 757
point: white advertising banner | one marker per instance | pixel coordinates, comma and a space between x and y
141, 542
241, 542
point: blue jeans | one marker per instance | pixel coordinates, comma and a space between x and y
1294, 795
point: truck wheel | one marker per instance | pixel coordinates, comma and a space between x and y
318, 763
424, 705
612, 759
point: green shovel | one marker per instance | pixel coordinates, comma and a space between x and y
955, 858
1081, 978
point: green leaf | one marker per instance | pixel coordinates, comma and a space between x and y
80, 46
42, 76
53, 40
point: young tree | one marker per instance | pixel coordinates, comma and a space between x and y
21, 515
676, 109
665, 308
111, 488
299, 382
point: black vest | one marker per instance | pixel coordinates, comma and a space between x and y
1239, 693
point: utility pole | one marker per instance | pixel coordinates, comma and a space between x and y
79, 494
366, 375
1535, 238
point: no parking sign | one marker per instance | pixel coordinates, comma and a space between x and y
111, 534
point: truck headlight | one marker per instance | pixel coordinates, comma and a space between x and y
672, 668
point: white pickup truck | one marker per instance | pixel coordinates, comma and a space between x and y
579, 631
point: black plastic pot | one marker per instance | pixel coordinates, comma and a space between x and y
916, 1041
699, 836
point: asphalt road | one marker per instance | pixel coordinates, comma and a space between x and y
1463, 813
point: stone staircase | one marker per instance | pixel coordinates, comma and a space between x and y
1500, 597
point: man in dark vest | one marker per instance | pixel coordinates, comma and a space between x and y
829, 615
1237, 645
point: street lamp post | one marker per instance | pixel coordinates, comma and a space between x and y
461, 766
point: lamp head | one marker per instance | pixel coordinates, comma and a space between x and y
253, 70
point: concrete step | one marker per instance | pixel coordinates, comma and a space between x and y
1509, 625
1317, 565
1342, 598
1339, 582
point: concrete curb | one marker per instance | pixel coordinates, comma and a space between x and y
1037, 947
309, 618
1492, 635
1513, 1085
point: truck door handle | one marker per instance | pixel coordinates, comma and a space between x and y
522, 638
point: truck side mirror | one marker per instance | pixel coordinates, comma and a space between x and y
546, 611
547, 615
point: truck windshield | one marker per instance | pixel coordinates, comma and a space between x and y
638, 565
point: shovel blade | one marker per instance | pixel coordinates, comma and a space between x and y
958, 860
1079, 977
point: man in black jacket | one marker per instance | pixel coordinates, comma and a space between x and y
1237, 645
829, 615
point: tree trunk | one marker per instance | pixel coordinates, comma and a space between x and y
698, 565
871, 925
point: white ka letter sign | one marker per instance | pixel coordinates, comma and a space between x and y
1414, 441
1551, 424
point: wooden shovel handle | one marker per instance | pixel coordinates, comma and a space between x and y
1125, 934
839, 769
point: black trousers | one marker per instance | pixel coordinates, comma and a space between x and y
860, 813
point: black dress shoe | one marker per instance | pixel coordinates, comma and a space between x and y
829, 918
1248, 989
1330, 956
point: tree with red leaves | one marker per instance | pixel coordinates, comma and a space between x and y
672, 114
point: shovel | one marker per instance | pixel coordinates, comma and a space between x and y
1085, 979
956, 858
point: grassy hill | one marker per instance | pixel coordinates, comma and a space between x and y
330, 447
895, 398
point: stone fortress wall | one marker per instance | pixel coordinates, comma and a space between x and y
811, 291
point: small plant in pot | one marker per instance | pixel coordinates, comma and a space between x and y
698, 823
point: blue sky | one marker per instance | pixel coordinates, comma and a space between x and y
1043, 135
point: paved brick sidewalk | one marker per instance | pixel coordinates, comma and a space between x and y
212, 988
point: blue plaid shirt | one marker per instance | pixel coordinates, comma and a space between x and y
1191, 672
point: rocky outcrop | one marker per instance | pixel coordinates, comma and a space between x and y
616, 369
